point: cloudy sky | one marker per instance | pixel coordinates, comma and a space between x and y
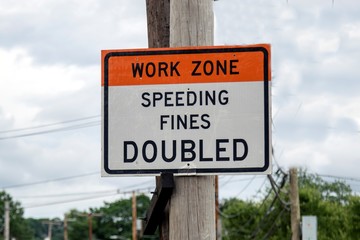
50, 92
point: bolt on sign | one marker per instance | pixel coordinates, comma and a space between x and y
196, 110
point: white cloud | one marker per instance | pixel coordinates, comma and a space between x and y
315, 41
23, 81
287, 78
353, 30
50, 72
72, 32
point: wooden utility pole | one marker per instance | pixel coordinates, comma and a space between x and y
89, 217
7, 221
295, 205
50, 230
90, 225
181, 23
50, 227
191, 209
134, 229
158, 22
65, 227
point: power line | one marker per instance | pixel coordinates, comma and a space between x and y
50, 124
270, 208
137, 184
68, 201
340, 177
67, 194
69, 178
227, 181
267, 235
274, 186
50, 180
231, 180
141, 190
115, 191
246, 186
73, 127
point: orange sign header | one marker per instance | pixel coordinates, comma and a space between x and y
186, 65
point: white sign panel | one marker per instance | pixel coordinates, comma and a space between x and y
186, 111
309, 227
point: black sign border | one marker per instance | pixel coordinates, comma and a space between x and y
204, 171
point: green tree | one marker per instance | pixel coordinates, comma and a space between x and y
113, 220
40, 228
336, 209
337, 191
19, 228
354, 212
235, 211
78, 227
116, 217
332, 203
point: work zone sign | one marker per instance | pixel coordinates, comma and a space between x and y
202, 110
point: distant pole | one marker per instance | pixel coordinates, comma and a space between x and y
295, 205
65, 227
50, 230
89, 217
90, 225
134, 229
7, 221
192, 211
50, 226
50, 223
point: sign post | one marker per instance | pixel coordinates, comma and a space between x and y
195, 110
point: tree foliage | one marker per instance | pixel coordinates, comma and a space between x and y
117, 217
40, 228
112, 221
239, 211
78, 225
19, 229
336, 209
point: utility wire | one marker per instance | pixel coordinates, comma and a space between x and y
262, 220
138, 184
273, 185
227, 181
86, 198
265, 218
69, 178
231, 180
73, 127
115, 191
50, 124
50, 180
339, 177
67, 194
246, 186
267, 235
242, 179
68, 201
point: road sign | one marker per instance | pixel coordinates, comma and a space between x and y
198, 110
